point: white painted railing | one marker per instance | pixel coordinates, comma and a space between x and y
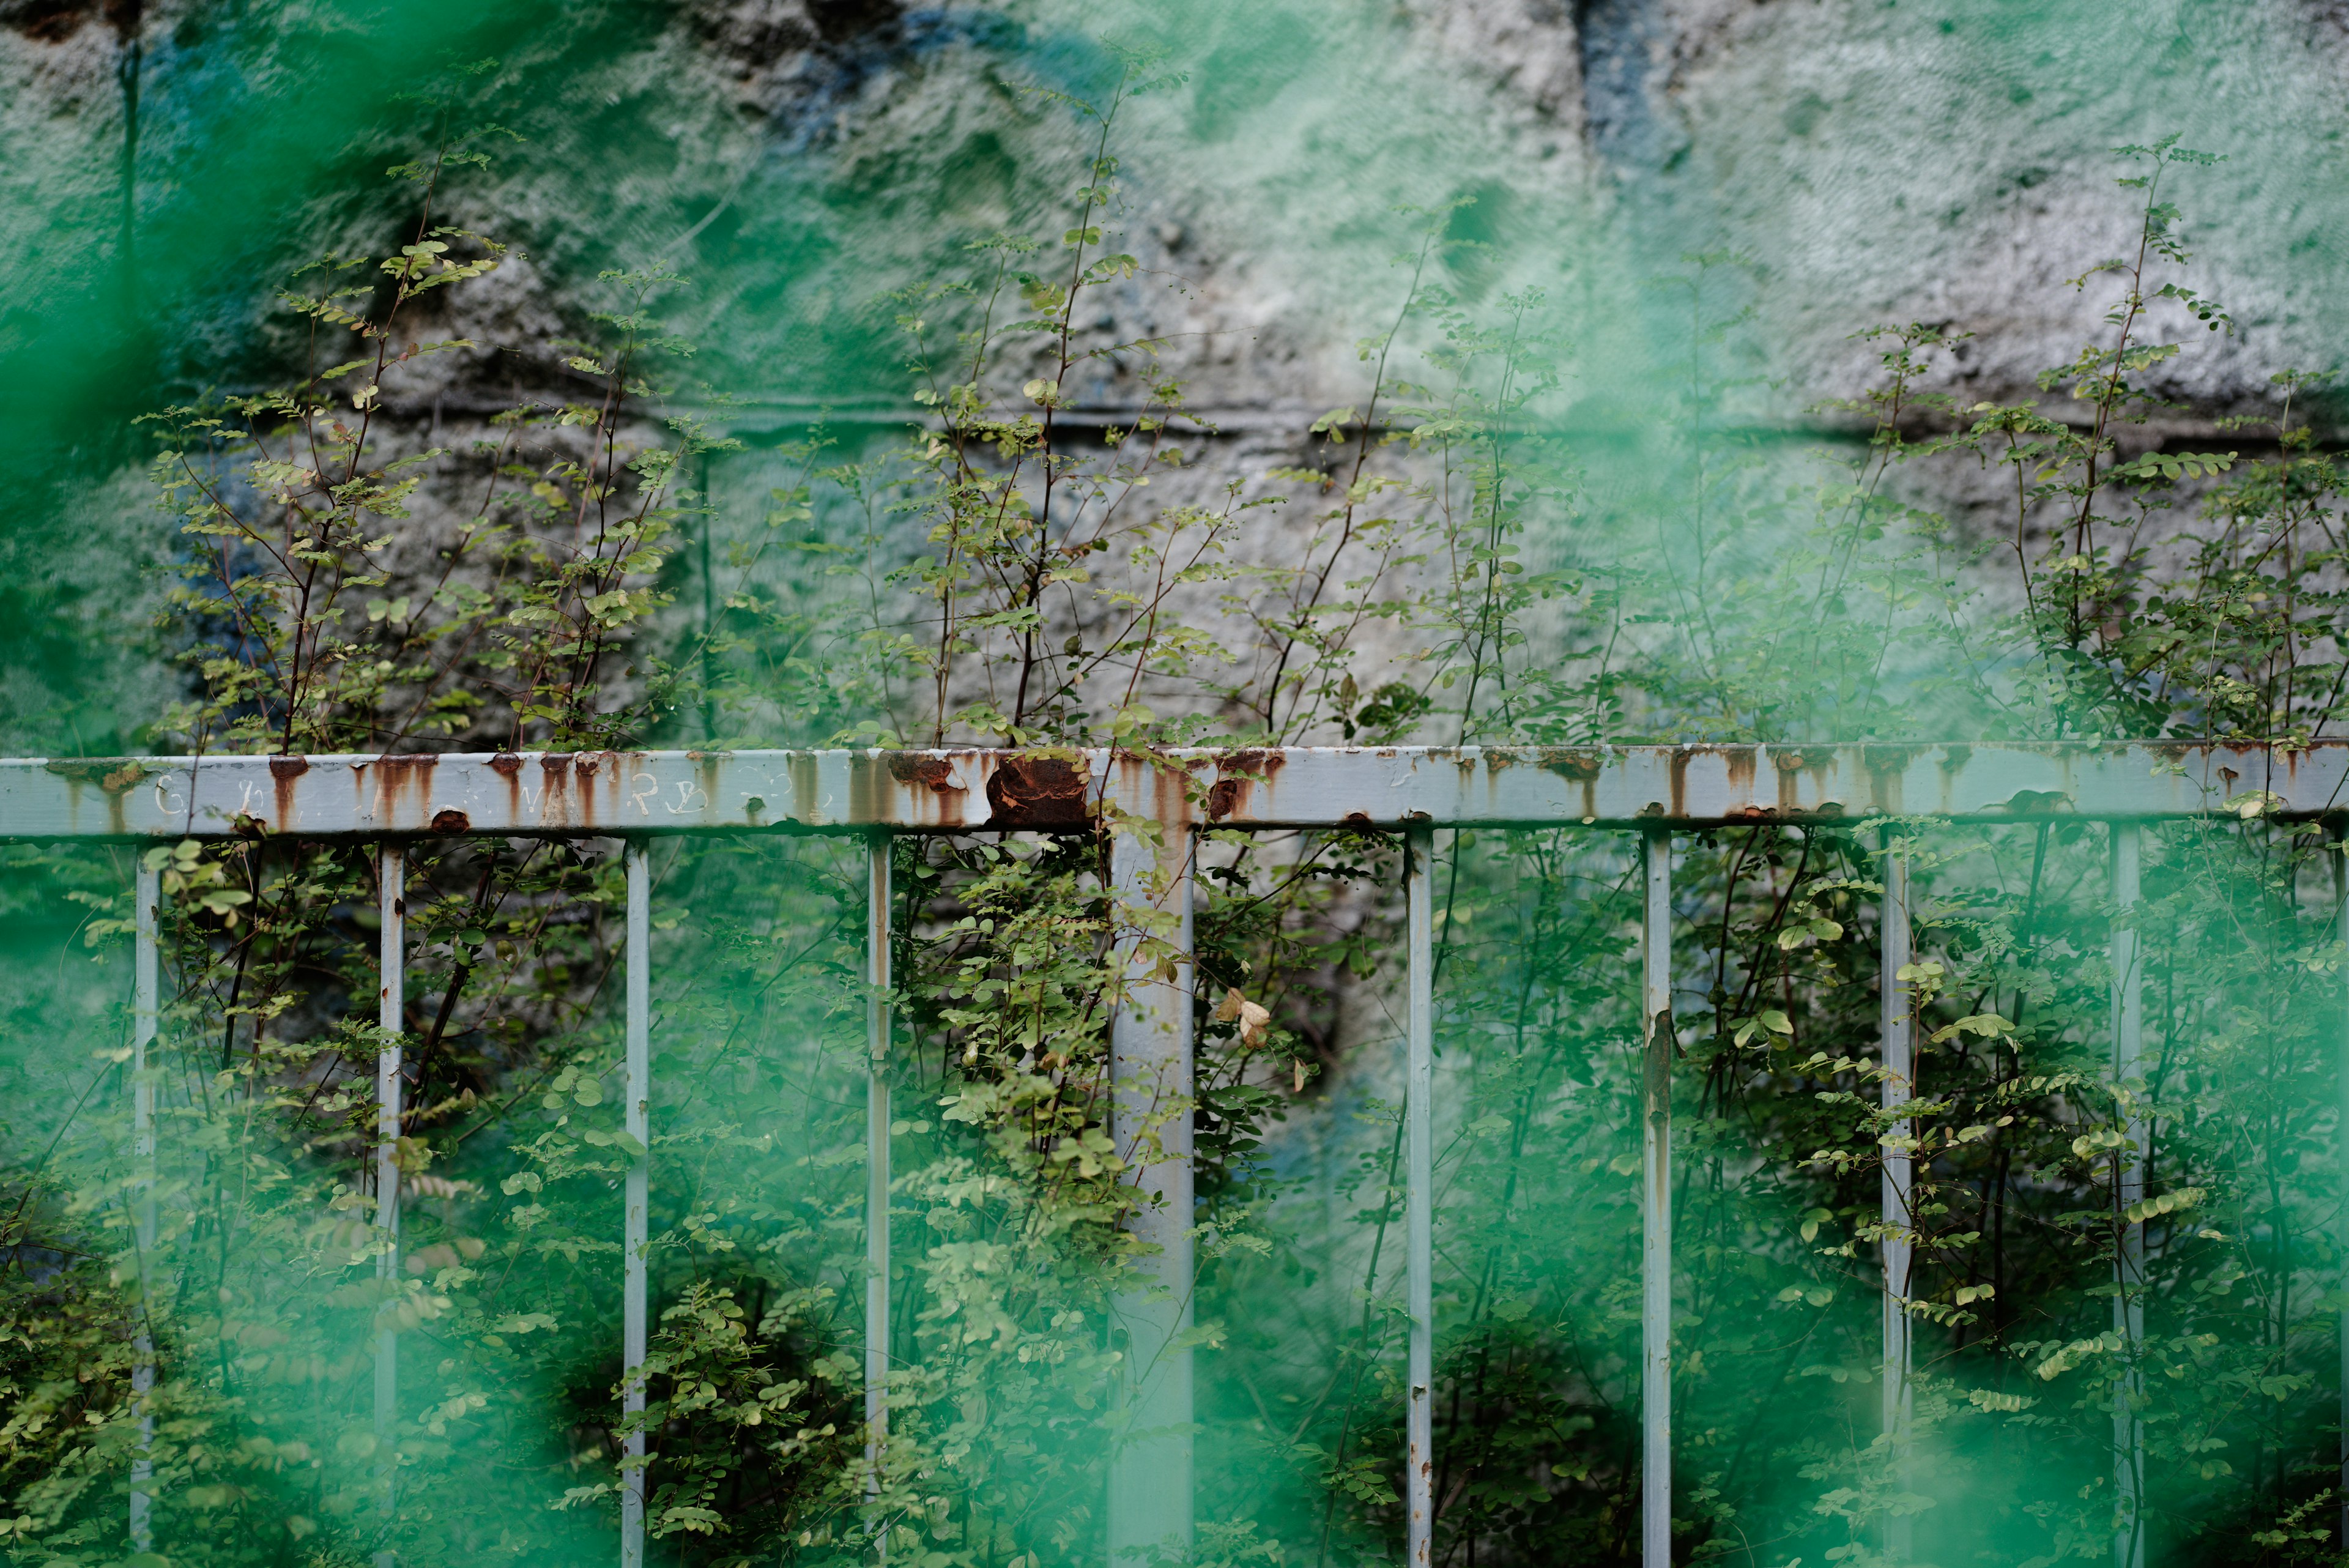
1650, 791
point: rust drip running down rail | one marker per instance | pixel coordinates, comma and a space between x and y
629, 794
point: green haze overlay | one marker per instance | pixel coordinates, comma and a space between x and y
1704, 235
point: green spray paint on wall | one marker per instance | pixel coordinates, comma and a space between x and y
1875, 164
1834, 166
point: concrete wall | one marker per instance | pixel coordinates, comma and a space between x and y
1841, 163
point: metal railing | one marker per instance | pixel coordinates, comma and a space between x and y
1650, 791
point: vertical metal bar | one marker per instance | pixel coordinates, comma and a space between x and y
1151, 1097
390, 1017
1899, 1086
2128, 1267
2341, 1149
145, 895
1656, 1200
1418, 1200
634, 1232
877, 1160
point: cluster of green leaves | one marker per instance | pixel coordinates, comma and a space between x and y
317, 613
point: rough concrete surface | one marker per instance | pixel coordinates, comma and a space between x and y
1870, 161
1835, 164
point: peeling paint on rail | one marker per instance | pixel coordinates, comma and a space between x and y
563, 795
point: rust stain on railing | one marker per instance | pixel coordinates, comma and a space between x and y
962, 790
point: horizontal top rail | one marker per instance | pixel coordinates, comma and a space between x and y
589, 794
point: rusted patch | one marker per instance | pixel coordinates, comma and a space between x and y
1250, 762
508, 767
804, 798
451, 821
2038, 802
1170, 786
115, 775
1356, 819
554, 788
924, 768
283, 772
871, 783
1572, 763
1886, 764
1044, 792
1955, 757
875, 780
395, 777
1738, 768
1236, 772
1790, 760
753, 809
584, 769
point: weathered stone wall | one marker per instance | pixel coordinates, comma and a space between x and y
1841, 163
1872, 162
